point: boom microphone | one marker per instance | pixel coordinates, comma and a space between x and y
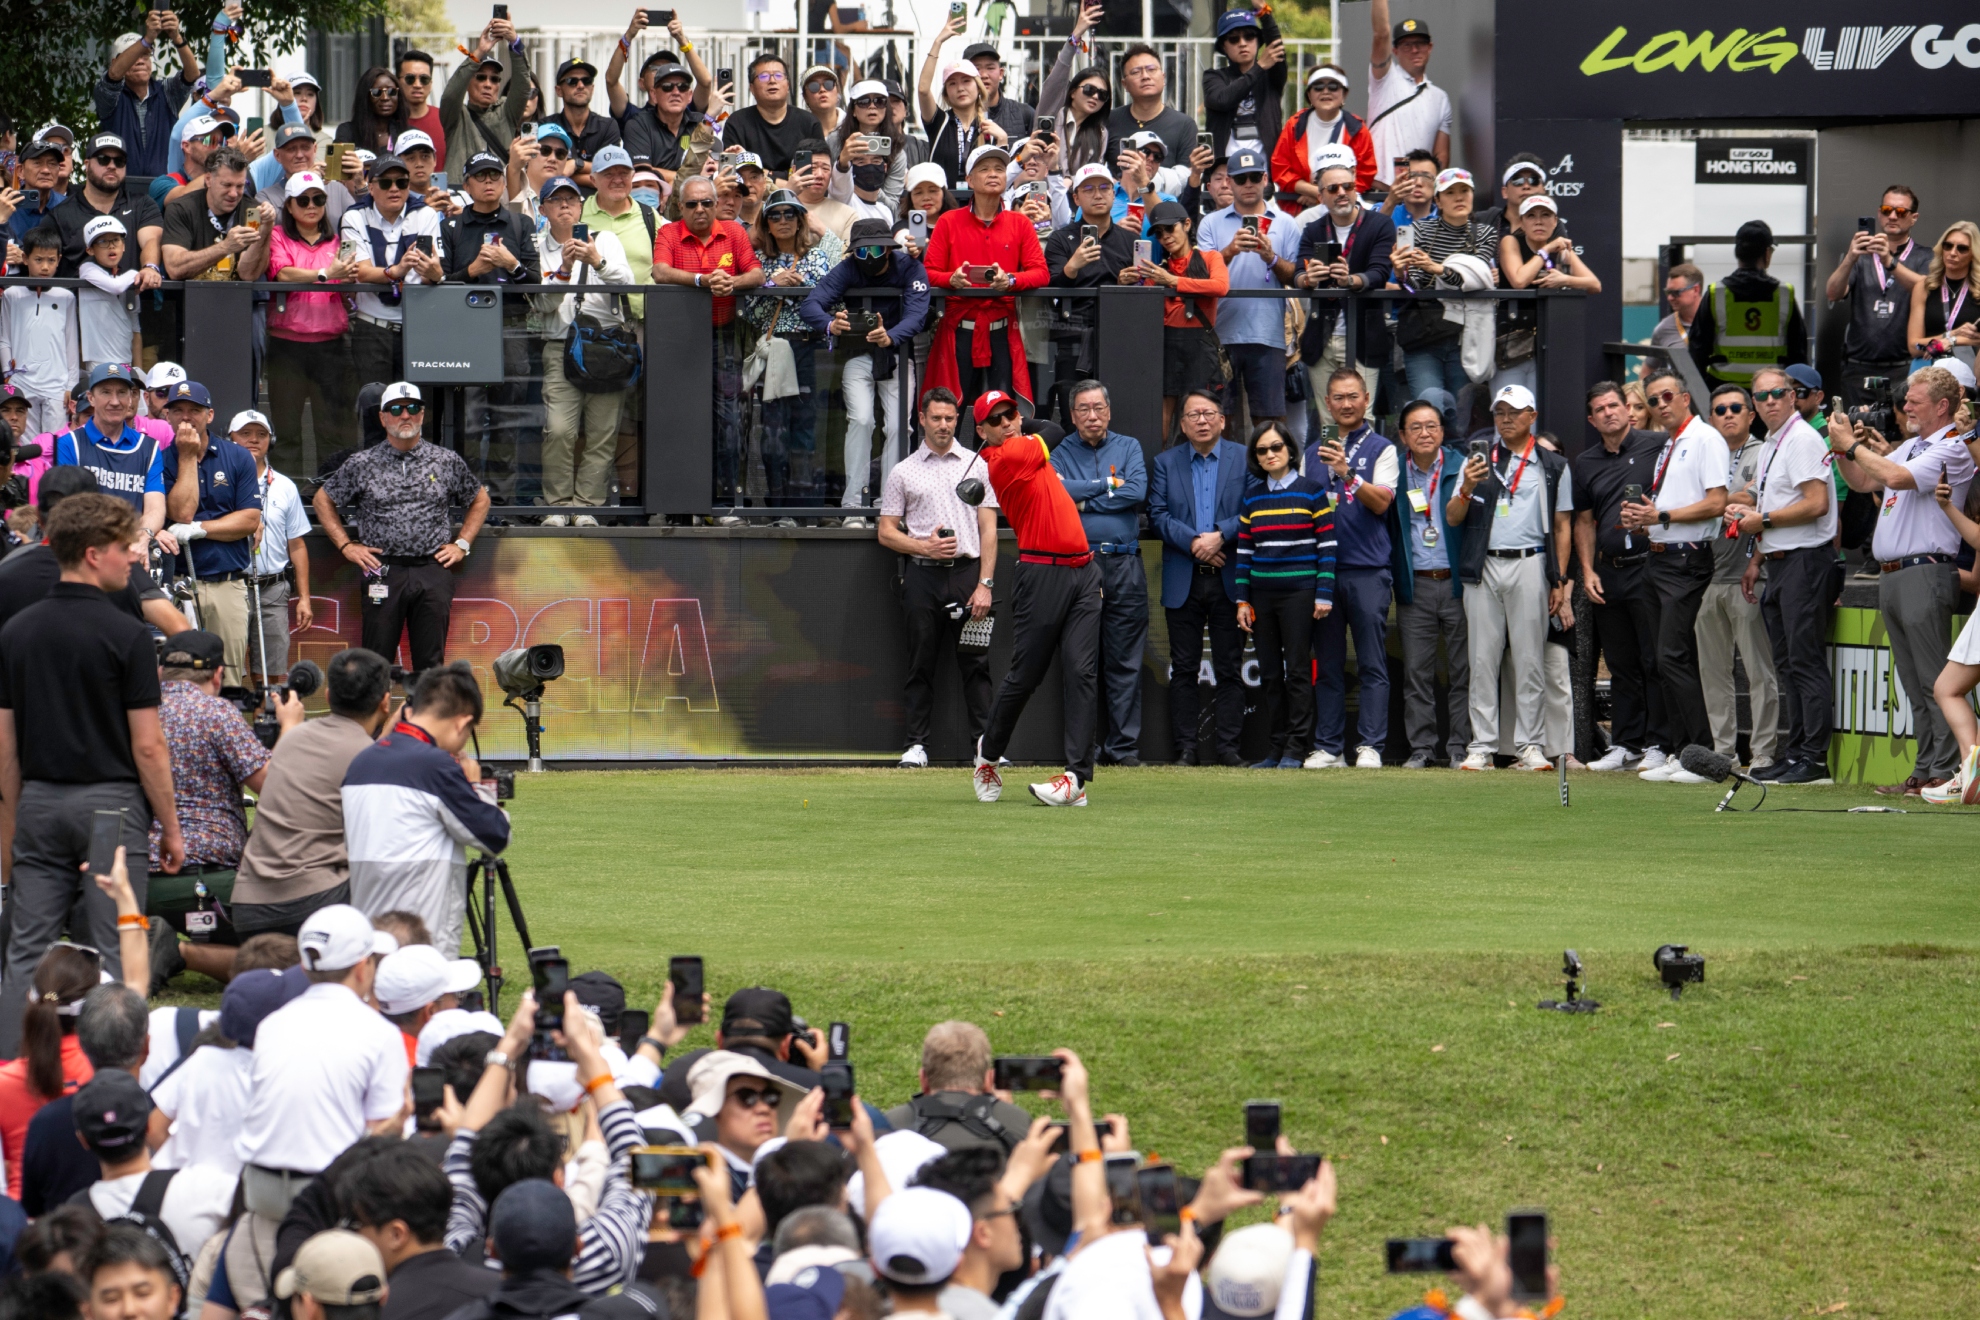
22, 453
1708, 764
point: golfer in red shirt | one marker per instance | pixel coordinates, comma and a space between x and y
1056, 602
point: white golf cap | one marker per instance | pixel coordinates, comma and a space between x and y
103, 224
926, 172
449, 1023
400, 389
249, 417
201, 125
164, 376
299, 184
1452, 177
1960, 371
1091, 171
339, 936
866, 87
1538, 202
304, 79
1523, 167
903, 1153
124, 43
418, 974
1333, 156
1330, 72
1249, 1270
1517, 397
917, 1236
984, 152
409, 140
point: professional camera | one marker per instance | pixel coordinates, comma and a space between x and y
304, 679
521, 673
14, 491
1880, 414
1679, 967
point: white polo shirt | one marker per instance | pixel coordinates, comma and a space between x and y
1695, 462
1411, 128
325, 1066
207, 1100
1794, 455
1910, 522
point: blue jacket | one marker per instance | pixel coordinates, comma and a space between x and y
1369, 244
1109, 516
1172, 513
903, 316
1449, 539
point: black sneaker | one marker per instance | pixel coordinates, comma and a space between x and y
1771, 772
1805, 772
1188, 757
1229, 759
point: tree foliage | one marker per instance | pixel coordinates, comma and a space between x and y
57, 49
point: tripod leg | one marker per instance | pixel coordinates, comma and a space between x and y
501, 869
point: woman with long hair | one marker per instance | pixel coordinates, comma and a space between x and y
1195, 279
925, 189
1082, 101
309, 104
796, 257
1285, 580
308, 354
853, 162
1945, 301
378, 112
954, 116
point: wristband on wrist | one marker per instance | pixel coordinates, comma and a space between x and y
728, 1231
602, 1079
658, 1048
1091, 1156
625, 46
1187, 1214
137, 919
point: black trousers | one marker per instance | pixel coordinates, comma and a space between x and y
1282, 637
927, 593
1795, 606
1207, 604
375, 354
1626, 626
1123, 648
1679, 578
1055, 611
419, 600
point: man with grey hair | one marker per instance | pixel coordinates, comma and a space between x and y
114, 1033
1107, 477
955, 1107
815, 1226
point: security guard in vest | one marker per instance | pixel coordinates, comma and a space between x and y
1748, 320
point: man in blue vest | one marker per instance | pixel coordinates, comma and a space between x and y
213, 497
1430, 594
1107, 477
1361, 470
126, 462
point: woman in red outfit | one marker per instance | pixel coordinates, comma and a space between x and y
1326, 121
1195, 278
977, 347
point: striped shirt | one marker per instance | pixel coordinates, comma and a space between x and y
1286, 539
1441, 239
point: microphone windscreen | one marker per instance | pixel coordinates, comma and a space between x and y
1707, 763
22, 453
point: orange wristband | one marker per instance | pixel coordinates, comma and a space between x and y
727, 1231
602, 1079
1187, 1214
1091, 1157
137, 919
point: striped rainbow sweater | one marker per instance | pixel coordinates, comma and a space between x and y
1286, 540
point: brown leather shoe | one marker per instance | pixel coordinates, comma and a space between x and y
1911, 787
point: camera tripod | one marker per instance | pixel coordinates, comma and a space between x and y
481, 920
530, 706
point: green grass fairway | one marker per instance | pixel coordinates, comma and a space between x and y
1799, 1132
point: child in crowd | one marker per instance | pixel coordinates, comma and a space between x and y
38, 334
108, 307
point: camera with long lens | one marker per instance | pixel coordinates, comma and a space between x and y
521, 674
14, 491
304, 679
1880, 414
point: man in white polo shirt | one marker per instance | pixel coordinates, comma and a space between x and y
1406, 111
1915, 545
1681, 512
328, 1070
1791, 505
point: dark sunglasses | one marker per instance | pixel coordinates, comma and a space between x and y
405, 408
553, 153
1093, 90
674, 85
870, 103
574, 82
1332, 189
1894, 210
784, 213
1664, 397
107, 160
1276, 447
1956, 247
416, 79
391, 185
380, 93
697, 205
1802, 391
313, 199
1247, 178
1728, 409
1001, 416
1768, 396
749, 1097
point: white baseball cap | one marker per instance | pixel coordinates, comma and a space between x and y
1452, 177
1090, 171
418, 974
1539, 202
248, 417
1333, 156
103, 224
164, 376
304, 79
985, 151
926, 172
124, 43
1518, 397
302, 182
340, 936
400, 389
1331, 72
449, 1023
866, 87
903, 1153
917, 1236
1249, 1270
1960, 371
409, 139
201, 125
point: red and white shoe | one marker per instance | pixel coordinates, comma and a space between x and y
1064, 790
989, 783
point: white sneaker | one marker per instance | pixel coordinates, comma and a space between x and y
1661, 772
1063, 790
728, 520
1684, 776
556, 520
855, 522
1367, 758
1532, 758
584, 520
1947, 794
1614, 759
1654, 757
1477, 761
1318, 760
989, 784
915, 758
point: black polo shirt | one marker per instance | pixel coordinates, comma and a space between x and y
643, 134
1116, 255
435, 1284
600, 132
189, 224
28, 574
135, 209
1599, 478
72, 667
748, 129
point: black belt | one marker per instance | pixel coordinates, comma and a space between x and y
231, 575
1516, 554
1665, 547
1608, 558
1912, 561
1202, 567
208, 868
407, 560
926, 562
268, 579
1774, 556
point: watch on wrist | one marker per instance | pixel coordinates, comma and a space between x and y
986, 582
1663, 520
658, 1048
1850, 453
465, 546
495, 1059
1767, 520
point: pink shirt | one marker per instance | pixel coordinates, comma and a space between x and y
308, 317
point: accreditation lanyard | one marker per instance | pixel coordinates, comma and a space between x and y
1883, 280
1512, 487
1430, 488
1952, 317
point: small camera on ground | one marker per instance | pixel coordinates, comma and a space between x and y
1679, 967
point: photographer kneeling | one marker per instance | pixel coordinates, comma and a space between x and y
214, 754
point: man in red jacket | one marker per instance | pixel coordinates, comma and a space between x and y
1056, 602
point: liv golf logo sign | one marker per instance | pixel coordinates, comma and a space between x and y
1929, 46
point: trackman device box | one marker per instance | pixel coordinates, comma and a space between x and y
453, 334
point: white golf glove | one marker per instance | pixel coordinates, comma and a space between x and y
187, 531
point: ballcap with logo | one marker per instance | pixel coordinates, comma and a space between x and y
289, 133
1408, 28
193, 649
989, 400
102, 225
109, 371
1237, 20
190, 391
400, 389
339, 936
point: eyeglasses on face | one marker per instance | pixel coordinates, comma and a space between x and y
1664, 398
1673, 290
395, 184
416, 79
697, 203
1728, 409
1336, 189
1202, 415
770, 76
1089, 409
750, 1097
1426, 426
1270, 447
1768, 396
108, 161
405, 408
380, 93
574, 82
1898, 211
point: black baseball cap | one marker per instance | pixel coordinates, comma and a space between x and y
481, 162
533, 1227
982, 48
112, 1112
1411, 27
1168, 213
193, 649
43, 146
870, 233
602, 992
106, 142
758, 1011
575, 63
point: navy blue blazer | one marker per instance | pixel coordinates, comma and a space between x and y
1172, 513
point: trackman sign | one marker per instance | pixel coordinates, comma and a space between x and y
1847, 49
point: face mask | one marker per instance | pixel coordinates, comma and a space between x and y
648, 196
876, 266
868, 178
